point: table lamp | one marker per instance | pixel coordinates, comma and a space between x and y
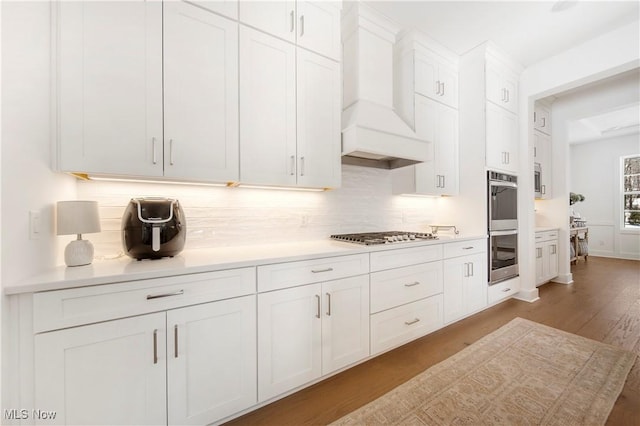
77, 217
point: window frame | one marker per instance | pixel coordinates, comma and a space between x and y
623, 193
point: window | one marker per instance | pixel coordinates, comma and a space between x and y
631, 191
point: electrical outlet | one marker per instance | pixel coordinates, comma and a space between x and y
35, 225
304, 220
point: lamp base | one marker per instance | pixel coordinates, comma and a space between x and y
78, 253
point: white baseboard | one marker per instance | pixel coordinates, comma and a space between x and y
564, 279
530, 295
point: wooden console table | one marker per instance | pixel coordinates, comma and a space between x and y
575, 236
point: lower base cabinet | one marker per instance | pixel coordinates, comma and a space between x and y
465, 286
546, 256
307, 331
185, 366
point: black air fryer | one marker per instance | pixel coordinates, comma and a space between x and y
153, 228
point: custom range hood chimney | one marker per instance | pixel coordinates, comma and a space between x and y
373, 134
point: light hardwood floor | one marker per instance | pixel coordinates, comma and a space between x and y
602, 304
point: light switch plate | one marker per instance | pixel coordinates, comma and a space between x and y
34, 225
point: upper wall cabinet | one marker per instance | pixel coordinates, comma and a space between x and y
312, 25
502, 85
290, 110
110, 87
112, 97
542, 118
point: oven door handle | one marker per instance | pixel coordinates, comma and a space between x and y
501, 233
503, 183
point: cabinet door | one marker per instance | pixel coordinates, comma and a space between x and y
426, 76
319, 27
501, 86
465, 286
540, 264
267, 109
277, 18
345, 322
449, 85
552, 259
211, 360
502, 139
111, 373
542, 146
289, 339
318, 121
110, 87
200, 94
542, 119
446, 151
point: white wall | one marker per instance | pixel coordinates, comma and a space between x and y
242, 216
602, 57
595, 173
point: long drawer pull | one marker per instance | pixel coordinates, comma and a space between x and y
161, 295
175, 341
506, 289
317, 271
413, 284
412, 322
155, 346
468, 248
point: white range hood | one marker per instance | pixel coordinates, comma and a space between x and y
372, 133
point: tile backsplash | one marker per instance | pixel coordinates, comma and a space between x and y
219, 216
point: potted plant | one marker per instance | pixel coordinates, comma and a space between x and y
574, 198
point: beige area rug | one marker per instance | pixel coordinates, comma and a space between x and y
524, 373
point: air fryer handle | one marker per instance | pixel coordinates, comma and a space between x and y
155, 238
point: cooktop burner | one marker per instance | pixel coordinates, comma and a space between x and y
373, 238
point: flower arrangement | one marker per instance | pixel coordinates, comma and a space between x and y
575, 198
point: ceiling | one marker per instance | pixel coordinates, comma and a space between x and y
528, 31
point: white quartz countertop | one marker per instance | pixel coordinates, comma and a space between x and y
196, 261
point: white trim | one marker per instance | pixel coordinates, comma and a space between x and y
528, 295
563, 279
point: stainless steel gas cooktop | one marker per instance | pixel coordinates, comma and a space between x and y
374, 238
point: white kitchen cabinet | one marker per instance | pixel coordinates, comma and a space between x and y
311, 330
436, 79
314, 25
318, 121
439, 124
542, 156
502, 85
111, 373
542, 118
289, 137
109, 71
546, 256
200, 95
465, 285
211, 360
502, 139
118, 117
186, 362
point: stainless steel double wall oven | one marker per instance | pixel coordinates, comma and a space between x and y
502, 192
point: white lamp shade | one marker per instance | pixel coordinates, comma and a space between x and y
77, 217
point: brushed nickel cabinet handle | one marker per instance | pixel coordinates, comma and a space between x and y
293, 165
471, 274
301, 166
301, 25
292, 21
161, 295
328, 304
442, 91
437, 87
318, 271
153, 146
412, 321
544, 122
171, 152
318, 304
413, 284
175, 341
468, 248
543, 189
506, 289
155, 346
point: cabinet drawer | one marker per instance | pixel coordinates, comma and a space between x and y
405, 323
546, 236
290, 274
464, 248
398, 258
395, 287
66, 308
503, 290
